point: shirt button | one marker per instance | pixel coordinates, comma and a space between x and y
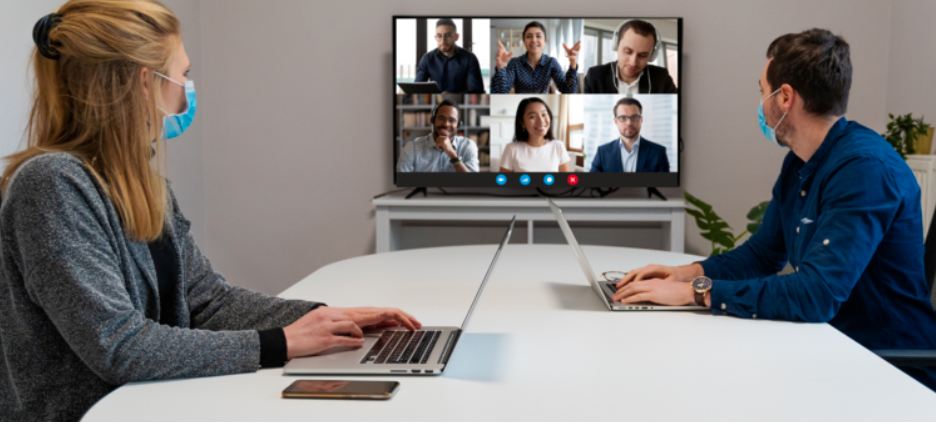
825, 242
723, 306
797, 230
753, 316
803, 193
797, 268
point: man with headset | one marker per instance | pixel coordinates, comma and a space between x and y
441, 151
637, 43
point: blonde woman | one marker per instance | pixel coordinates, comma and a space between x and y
102, 281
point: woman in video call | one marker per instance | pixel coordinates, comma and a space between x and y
531, 72
534, 148
101, 278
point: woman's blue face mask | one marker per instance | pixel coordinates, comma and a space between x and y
176, 124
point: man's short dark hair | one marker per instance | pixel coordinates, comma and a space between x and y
815, 63
445, 102
628, 101
447, 23
533, 24
520, 134
642, 28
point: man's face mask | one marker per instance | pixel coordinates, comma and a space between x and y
769, 133
176, 124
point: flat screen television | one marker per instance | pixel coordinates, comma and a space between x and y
538, 102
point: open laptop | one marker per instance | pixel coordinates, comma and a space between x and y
430, 87
397, 350
606, 289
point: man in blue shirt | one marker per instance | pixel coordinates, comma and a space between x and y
456, 70
845, 214
631, 153
441, 151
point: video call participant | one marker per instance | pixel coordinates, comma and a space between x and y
442, 151
534, 148
456, 70
631, 153
531, 72
637, 43
102, 281
845, 214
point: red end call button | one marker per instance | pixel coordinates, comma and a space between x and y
573, 180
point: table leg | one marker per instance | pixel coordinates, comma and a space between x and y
677, 231
530, 232
383, 230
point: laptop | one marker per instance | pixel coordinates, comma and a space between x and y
605, 289
397, 350
430, 87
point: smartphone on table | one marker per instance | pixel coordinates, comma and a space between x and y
362, 390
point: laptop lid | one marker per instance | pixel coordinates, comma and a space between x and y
490, 269
579, 254
430, 87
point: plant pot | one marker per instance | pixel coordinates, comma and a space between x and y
923, 143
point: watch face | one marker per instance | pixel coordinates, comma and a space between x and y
702, 284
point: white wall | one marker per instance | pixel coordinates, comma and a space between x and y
911, 85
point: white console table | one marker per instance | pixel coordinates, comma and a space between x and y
392, 210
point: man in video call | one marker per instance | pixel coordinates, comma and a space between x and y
456, 70
845, 215
631, 74
441, 151
631, 153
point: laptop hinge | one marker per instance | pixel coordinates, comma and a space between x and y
449, 346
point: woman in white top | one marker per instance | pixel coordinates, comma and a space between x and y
534, 148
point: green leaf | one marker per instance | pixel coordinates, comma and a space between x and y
753, 227
706, 208
757, 213
725, 239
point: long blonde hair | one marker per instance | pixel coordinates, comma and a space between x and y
90, 102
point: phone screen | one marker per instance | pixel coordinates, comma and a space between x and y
341, 389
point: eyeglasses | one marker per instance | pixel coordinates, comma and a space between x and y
442, 120
624, 118
446, 36
613, 276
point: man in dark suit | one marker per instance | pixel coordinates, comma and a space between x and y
638, 43
631, 153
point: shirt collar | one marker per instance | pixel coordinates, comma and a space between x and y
543, 59
825, 148
636, 144
439, 54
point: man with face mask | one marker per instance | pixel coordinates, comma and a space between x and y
441, 151
845, 214
456, 70
638, 43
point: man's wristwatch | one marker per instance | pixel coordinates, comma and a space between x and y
455, 160
700, 286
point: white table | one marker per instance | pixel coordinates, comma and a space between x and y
541, 347
392, 209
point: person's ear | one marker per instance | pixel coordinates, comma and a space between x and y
144, 81
456, 37
786, 96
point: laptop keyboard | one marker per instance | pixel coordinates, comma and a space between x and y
402, 347
613, 286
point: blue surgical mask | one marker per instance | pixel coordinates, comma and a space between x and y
176, 124
769, 133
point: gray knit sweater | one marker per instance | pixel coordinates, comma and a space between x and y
79, 300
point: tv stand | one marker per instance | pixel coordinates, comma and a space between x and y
417, 191
653, 191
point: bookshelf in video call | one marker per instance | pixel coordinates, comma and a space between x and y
414, 115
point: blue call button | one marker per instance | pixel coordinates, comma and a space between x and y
549, 180
524, 179
501, 180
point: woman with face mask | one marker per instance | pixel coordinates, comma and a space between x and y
532, 72
534, 148
103, 283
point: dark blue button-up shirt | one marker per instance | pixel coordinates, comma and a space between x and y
459, 73
524, 79
850, 223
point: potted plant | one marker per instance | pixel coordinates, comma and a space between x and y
717, 230
909, 136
